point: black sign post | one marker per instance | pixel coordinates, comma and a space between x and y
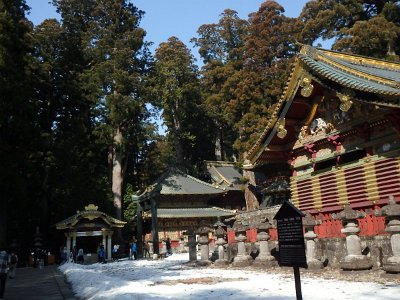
291, 241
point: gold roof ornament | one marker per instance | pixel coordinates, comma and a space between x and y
91, 207
345, 99
90, 213
281, 131
307, 87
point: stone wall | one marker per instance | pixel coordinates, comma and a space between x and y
330, 251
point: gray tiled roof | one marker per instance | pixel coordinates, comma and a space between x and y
194, 212
176, 182
225, 175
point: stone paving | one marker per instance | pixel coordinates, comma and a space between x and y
38, 284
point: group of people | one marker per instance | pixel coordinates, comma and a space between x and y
8, 264
146, 249
74, 256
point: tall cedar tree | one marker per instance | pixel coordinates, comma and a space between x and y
19, 134
221, 48
362, 27
77, 170
119, 62
269, 49
176, 91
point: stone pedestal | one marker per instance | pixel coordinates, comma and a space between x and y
241, 259
220, 233
264, 258
312, 262
204, 244
392, 213
354, 260
192, 245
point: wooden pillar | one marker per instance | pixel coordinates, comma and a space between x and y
154, 226
68, 242
139, 229
73, 239
108, 249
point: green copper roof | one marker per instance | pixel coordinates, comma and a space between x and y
360, 73
352, 80
194, 212
176, 182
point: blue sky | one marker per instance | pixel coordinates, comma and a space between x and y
180, 18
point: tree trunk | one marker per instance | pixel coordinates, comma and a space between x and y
218, 145
177, 143
117, 173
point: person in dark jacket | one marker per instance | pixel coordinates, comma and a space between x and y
4, 265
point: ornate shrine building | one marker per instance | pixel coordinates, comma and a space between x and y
334, 138
88, 229
176, 203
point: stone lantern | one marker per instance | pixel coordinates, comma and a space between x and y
203, 231
264, 258
312, 262
392, 214
220, 233
354, 260
241, 259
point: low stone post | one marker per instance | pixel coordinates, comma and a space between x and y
392, 214
312, 262
192, 245
221, 242
181, 245
354, 260
203, 231
264, 258
241, 259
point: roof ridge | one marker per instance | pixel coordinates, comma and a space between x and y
198, 180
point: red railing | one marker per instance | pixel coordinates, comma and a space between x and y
370, 225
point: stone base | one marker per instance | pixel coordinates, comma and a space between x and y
391, 267
203, 263
241, 261
221, 262
314, 264
356, 262
265, 263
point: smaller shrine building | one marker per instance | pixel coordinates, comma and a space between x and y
88, 229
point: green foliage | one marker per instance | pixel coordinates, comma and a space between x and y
363, 27
175, 88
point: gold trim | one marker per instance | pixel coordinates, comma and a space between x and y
295, 193
370, 182
341, 189
316, 193
361, 74
361, 59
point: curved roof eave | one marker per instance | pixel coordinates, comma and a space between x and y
350, 71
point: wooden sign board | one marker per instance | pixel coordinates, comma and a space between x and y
292, 252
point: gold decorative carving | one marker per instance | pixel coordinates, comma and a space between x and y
91, 207
280, 128
307, 87
345, 99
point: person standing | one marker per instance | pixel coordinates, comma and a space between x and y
13, 264
4, 264
146, 248
134, 249
80, 257
101, 255
168, 245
